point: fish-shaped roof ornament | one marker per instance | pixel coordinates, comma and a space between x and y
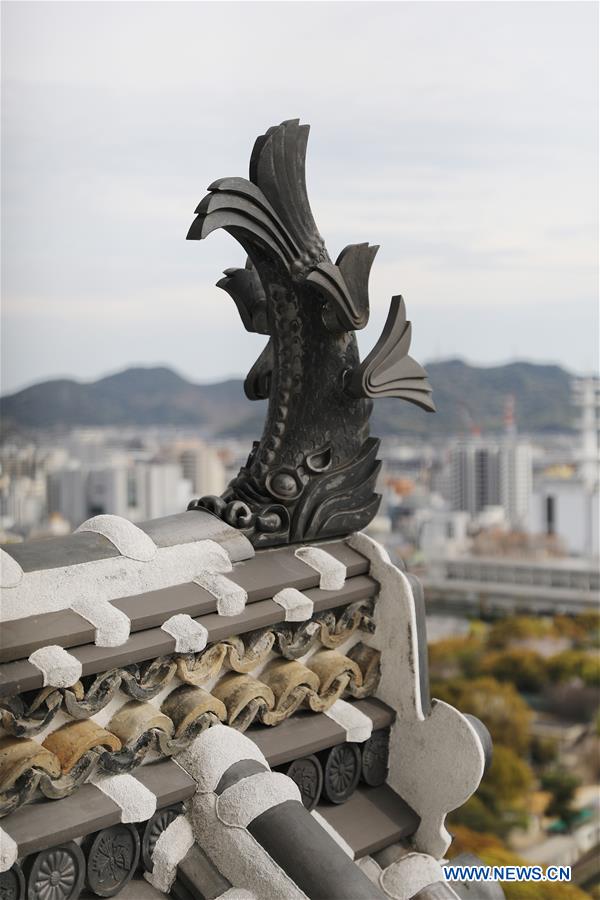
312, 474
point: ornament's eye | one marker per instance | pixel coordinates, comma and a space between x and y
283, 485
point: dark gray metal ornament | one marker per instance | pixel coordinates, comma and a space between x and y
341, 772
312, 474
58, 873
375, 753
307, 773
12, 883
112, 858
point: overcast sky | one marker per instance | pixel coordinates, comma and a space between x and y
462, 137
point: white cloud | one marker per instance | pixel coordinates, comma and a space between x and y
462, 137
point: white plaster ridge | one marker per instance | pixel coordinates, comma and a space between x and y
298, 607
247, 799
111, 624
407, 876
8, 851
214, 558
129, 540
237, 855
50, 590
446, 756
333, 833
136, 801
59, 668
208, 757
190, 636
170, 848
395, 634
231, 598
331, 570
370, 867
11, 572
356, 724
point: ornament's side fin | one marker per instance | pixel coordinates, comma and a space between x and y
388, 370
247, 292
258, 380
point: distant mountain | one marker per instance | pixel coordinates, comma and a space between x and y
466, 394
137, 396
158, 396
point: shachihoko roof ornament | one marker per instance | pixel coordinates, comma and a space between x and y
312, 474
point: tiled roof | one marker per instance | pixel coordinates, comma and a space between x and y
278, 643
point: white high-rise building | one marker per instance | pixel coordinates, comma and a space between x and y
157, 489
78, 493
204, 469
492, 474
516, 480
138, 492
66, 489
106, 491
569, 507
586, 396
474, 476
22, 502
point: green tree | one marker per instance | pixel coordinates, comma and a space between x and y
525, 669
497, 704
458, 653
474, 814
517, 628
492, 852
543, 751
562, 785
507, 782
583, 629
589, 622
584, 664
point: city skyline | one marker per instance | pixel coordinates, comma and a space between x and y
447, 133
